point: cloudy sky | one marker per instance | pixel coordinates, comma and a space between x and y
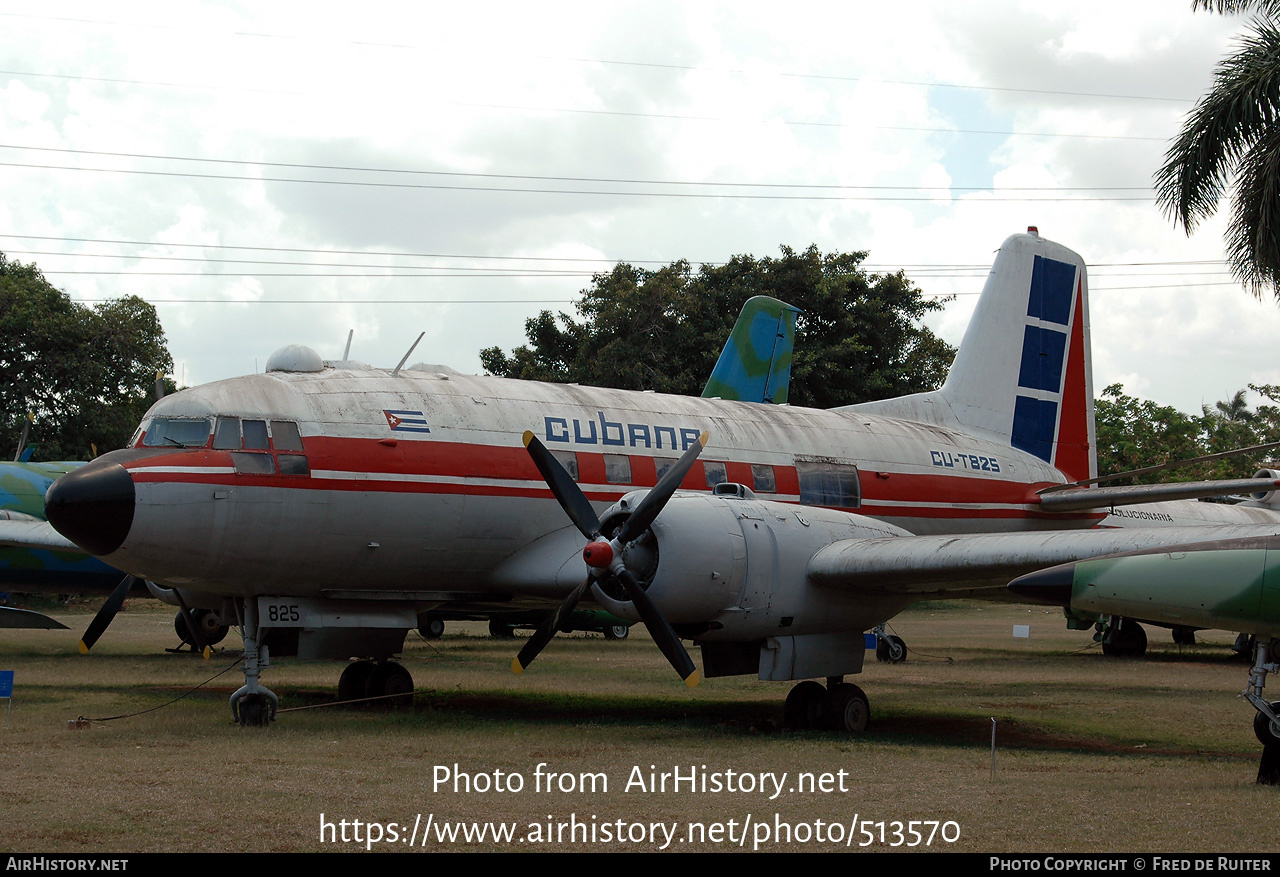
276, 173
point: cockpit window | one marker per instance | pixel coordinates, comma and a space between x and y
177, 432
255, 435
226, 435
284, 435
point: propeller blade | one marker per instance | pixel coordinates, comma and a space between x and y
655, 499
575, 505
660, 630
547, 629
22, 440
564, 488
105, 614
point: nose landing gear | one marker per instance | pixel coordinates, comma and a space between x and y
253, 705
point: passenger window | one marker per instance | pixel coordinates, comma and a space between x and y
715, 473
569, 460
284, 435
763, 479
226, 435
829, 484
662, 464
253, 464
617, 469
293, 464
255, 435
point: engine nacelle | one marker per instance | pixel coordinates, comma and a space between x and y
735, 568
1267, 498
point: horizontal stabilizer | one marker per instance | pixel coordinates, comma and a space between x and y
1134, 494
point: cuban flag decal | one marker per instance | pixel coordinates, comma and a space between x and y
406, 421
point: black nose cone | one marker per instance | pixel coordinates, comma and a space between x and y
1052, 585
92, 506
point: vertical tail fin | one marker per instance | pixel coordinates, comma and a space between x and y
755, 365
1023, 373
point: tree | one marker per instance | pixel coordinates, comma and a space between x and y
1134, 433
1227, 426
1232, 133
858, 339
85, 374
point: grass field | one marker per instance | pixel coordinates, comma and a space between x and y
1092, 754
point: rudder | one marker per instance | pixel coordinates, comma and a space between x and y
1023, 373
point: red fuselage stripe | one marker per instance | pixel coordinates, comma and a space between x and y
362, 461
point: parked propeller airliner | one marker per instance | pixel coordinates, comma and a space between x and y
327, 507
755, 365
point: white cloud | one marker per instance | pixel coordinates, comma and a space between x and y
822, 93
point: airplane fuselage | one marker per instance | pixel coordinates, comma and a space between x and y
420, 481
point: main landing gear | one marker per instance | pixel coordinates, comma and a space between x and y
1124, 638
198, 628
841, 706
386, 680
1266, 724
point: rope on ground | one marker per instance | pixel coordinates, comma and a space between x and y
189, 691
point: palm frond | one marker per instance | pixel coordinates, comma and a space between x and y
1268, 8
1242, 105
1253, 236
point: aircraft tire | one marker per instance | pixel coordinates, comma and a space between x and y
433, 629
617, 631
803, 705
1243, 647
845, 708
390, 678
1262, 726
354, 680
885, 650
1129, 640
500, 630
1184, 636
255, 711
206, 622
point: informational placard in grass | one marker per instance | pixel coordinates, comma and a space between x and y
6, 691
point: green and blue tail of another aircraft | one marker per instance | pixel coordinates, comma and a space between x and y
755, 365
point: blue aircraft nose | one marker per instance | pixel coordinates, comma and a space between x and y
92, 506
1051, 585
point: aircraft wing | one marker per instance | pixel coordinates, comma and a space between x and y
13, 618
960, 565
1079, 499
24, 532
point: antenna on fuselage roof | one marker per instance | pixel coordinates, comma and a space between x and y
346, 351
405, 358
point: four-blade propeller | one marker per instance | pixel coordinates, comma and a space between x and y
604, 556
